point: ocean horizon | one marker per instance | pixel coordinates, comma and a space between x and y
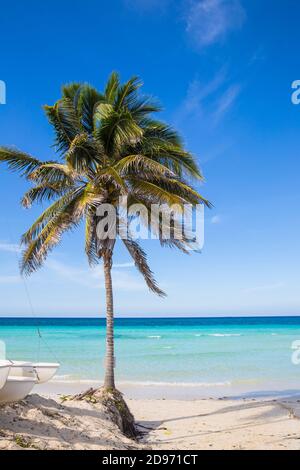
215, 355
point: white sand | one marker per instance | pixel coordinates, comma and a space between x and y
44, 423
219, 424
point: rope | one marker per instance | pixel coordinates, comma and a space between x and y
38, 328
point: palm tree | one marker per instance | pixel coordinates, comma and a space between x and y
108, 146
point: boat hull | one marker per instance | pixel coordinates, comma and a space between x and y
4, 371
43, 371
16, 388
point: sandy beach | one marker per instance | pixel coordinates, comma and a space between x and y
219, 424
45, 422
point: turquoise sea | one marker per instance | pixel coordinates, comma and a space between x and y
233, 354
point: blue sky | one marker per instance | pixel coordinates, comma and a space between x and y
223, 71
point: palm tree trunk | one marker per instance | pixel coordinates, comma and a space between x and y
109, 380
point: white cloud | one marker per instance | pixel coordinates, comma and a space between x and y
226, 101
9, 247
94, 278
123, 265
198, 92
209, 21
9, 279
199, 98
216, 219
265, 287
257, 56
211, 100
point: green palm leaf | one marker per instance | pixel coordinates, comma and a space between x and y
50, 235
140, 260
112, 87
53, 173
109, 145
65, 121
127, 93
88, 100
41, 193
159, 194
137, 164
19, 161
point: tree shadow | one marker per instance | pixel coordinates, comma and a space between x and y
266, 408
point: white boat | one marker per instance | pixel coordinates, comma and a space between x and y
4, 371
17, 378
16, 388
43, 371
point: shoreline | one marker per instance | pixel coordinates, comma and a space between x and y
162, 357
171, 391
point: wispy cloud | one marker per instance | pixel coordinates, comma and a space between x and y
265, 287
257, 56
123, 265
216, 219
9, 247
206, 21
93, 278
198, 92
199, 95
209, 21
211, 100
10, 279
226, 101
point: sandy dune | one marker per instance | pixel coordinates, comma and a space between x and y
43, 423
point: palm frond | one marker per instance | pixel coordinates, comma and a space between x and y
37, 251
111, 175
51, 212
157, 193
65, 121
82, 154
141, 107
140, 260
41, 193
180, 188
182, 163
53, 173
71, 91
111, 88
142, 165
117, 130
91, 238
102, 111
127, 93
89, 99
172, 156
19, 161
160, 131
